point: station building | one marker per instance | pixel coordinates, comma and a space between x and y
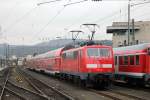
119, 30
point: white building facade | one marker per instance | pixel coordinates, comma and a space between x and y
119, 30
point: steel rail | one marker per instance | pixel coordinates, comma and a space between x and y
13, 86
18, 91
68, 97
32, 85
127, 95
3, 88
104, 94
15, 93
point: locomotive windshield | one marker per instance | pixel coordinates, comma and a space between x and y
98, 52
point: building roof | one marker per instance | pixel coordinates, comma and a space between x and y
121, 27
49, 54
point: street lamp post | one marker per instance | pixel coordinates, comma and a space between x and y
129, 22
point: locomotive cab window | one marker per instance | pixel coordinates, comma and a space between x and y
93, 52
98, 52
104, 52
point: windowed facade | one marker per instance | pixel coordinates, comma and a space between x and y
131, 60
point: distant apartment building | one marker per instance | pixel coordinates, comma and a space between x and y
119, 30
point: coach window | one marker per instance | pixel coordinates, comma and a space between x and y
125, 60
131, 60
137, 60
120, 60
115, 60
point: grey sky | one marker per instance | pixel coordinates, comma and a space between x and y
23, 22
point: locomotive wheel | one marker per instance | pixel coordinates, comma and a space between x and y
99, 85
140, 82
75, 80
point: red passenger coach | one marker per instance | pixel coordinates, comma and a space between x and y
90, 64
48, 62
132, 64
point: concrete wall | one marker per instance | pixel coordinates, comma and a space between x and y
142, 35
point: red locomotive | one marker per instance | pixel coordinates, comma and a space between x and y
132, 64
88, 64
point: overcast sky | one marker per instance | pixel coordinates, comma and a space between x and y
23, 22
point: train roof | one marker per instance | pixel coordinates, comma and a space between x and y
49, 54
78, 48
57, 52
139, 47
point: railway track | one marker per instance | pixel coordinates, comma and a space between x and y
46, 90
54, 94
12, 91
115, 95
136, 88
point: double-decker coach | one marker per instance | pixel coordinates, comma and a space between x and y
48, 62
132, 64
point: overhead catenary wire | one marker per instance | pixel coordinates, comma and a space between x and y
110, 16
50, 21
19, 20
11, 9
75, 2
54, 19
48, 2
103, 19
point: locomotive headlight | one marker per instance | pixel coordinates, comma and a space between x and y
91, 65
107, 65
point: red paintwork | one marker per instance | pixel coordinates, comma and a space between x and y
144, 59
79, 65
58, 63
49, 61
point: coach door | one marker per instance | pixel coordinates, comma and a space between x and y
116, 62
148, 60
